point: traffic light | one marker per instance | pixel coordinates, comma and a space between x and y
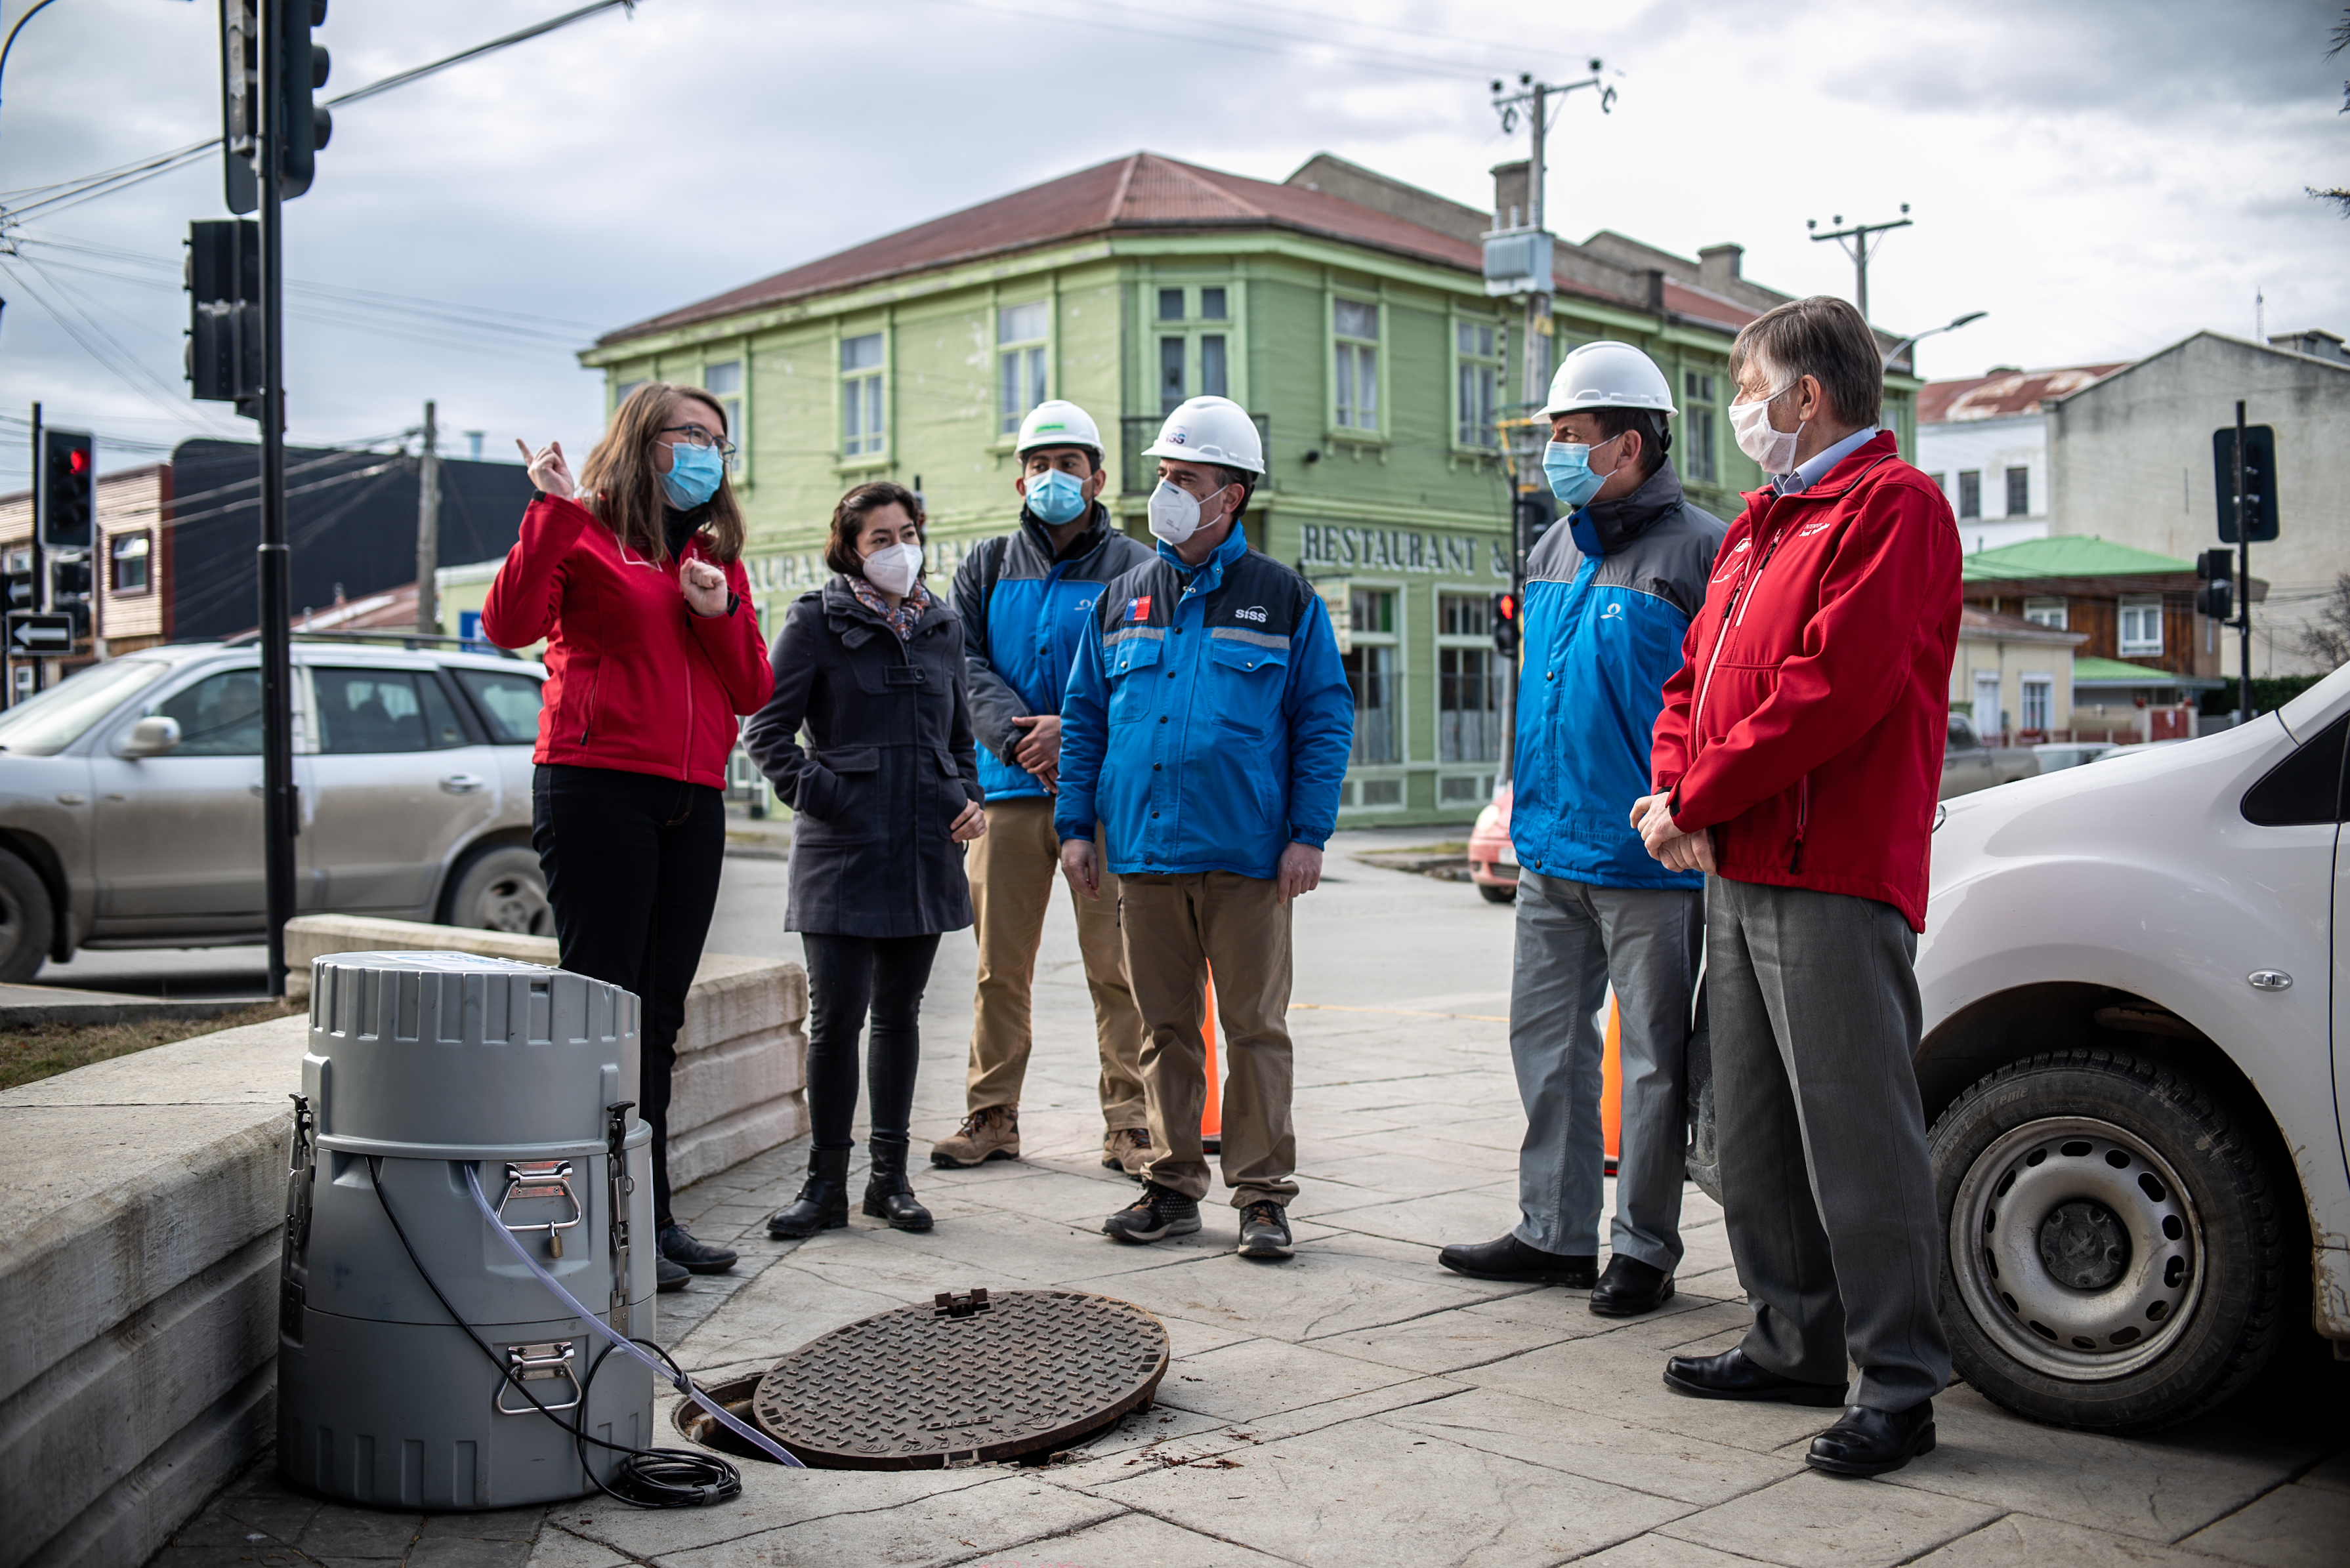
2215, 572
1506, 625
67, 480
300, 68
69, 591
1532, 514
224, 283
2260, 481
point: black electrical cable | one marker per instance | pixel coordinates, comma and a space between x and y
656, 1478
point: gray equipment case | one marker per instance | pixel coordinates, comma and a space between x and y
426, 1062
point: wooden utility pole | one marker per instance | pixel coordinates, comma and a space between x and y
428, 527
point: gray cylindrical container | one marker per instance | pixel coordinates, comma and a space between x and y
421, 1064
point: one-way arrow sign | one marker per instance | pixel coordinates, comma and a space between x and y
40, 634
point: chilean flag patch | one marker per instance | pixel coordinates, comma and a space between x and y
1139, 608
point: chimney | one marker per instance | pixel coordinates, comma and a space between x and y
1718, 267
1656, 277
1510, 208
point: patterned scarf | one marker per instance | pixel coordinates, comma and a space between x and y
901, 620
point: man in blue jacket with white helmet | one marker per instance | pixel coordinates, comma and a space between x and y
1206, 727
1610, 592
1024, 600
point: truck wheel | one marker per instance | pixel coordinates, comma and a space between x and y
2115, 1255
501, 890
25, 920
1497, 895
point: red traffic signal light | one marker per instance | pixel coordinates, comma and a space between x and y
78, 461
1505, 623
1505, 607
63, 497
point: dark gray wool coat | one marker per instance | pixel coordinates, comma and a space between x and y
887, 768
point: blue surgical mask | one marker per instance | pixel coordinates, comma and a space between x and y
693, 475
1055, 497
1568, 467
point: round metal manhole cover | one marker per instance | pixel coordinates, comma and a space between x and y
969, 1378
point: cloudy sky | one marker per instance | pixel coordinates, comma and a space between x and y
2101, 176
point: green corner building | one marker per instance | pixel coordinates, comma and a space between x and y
1346, 311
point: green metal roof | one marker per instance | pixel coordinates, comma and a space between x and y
2067, 556
2092, 671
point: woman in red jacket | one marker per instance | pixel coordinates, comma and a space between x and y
635, 579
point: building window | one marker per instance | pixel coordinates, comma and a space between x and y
1698, 428
1170, 374
2039, 702
862, 425
1211, 304
1370, 667
1941, 481
2142, 625
2045, 612
2018, 491
725, 379
129, 555
1020, 357
1479, 347
1213, 379
1468, 681
620, 391
1170, 305
1970, 494
1356, 325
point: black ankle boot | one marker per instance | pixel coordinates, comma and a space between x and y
888, 1194
823, 1202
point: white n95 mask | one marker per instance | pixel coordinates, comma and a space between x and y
1174, 514
894, 567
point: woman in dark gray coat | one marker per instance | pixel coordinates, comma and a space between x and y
885, 796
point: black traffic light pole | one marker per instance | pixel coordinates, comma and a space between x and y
2243, 579
278, 805
40, 575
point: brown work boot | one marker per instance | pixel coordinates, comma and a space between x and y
985, 1135
1128, 1149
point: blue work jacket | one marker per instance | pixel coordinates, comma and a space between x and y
1207, 721
1023, 612
1610, 592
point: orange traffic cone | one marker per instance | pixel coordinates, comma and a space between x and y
1611, 1086
1211, 1111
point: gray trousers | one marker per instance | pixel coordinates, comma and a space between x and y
1574, 939
1826, 1186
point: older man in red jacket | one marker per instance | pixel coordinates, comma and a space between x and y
1798, 759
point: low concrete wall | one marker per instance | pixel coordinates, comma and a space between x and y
141, 1202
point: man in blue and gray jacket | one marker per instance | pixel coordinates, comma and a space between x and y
1024, 600
1610, 592
1206, 727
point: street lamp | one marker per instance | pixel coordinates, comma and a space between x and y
1895, 352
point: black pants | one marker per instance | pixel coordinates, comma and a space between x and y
633, 863
847, 977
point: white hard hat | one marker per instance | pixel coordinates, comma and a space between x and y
1607, 374
1057, 423
1210, 430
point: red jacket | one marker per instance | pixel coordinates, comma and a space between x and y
635, 681
1805, 727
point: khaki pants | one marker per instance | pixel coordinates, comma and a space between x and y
1176, 928
1014, 869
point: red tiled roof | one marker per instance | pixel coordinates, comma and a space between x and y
1142, 191
2003, 393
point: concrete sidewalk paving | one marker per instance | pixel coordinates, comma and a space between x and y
1357, 1403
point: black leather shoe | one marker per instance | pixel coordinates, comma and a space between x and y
669, 1276
1512, 1260
1629, 1288
888, 1194
823, 1202
680, 1246
1871, 1442
1730, 1375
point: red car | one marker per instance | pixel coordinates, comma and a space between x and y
1493, 859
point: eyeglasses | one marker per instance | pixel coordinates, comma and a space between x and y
696, 437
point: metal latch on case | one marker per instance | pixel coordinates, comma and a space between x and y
536, 1364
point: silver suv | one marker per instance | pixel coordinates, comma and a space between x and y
130, 797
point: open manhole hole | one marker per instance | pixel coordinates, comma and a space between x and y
968, 1378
